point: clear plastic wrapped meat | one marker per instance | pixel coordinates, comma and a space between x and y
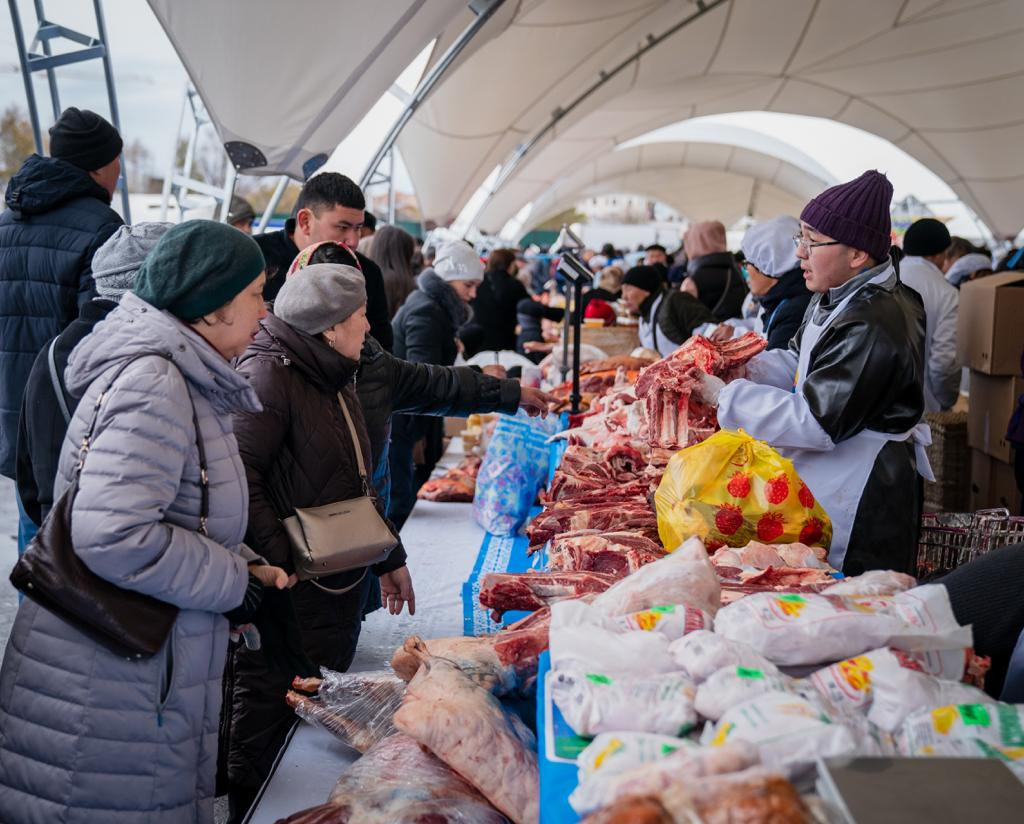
398, 782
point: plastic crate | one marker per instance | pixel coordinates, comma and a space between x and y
949, 539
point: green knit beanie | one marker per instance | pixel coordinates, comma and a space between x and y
197, 267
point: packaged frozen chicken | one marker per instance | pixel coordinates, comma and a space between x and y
701, 653
996, 724
734, 685
595, 649
671, 620
792, 628
593, 703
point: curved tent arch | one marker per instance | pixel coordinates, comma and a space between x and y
937, 78
698, 180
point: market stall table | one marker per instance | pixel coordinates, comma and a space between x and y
443, 543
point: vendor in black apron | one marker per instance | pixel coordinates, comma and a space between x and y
844, 402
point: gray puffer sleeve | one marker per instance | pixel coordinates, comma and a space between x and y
132, 475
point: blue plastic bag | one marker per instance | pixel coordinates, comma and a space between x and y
513, 471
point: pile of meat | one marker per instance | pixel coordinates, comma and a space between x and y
598, 377
675, 416
457, 485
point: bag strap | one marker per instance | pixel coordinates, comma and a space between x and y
55, 380
355, 443
343, 590
204, 477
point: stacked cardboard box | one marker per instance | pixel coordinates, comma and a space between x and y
990, 337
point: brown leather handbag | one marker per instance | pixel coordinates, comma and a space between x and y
341, 536
127, 623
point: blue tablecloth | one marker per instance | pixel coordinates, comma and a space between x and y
557, 747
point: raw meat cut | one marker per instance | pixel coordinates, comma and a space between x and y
467, 728
684, 577
355, 707
560, 519
762, 556
506, 591
873, 582
457, 485
617, 553
675, 418
398, 782
500, 663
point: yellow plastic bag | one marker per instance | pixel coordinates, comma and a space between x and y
731, 490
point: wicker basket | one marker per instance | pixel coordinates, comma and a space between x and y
949, 539
950, 458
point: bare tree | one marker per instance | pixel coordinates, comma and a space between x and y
16, 141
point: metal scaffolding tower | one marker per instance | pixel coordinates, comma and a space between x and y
39, 57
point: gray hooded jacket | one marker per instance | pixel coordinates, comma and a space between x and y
85, 735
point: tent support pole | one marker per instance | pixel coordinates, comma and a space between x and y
275, 198
484, 10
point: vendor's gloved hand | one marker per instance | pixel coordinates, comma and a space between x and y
280, 638
708, 386
246, 611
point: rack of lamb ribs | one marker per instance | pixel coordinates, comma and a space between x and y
675, 417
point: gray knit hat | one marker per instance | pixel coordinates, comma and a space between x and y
317, 297
117, 261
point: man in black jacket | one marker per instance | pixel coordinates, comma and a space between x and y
330, 207
58, 214
47, 406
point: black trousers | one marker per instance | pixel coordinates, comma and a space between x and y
260, 718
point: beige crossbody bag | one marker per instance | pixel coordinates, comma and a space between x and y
341, 536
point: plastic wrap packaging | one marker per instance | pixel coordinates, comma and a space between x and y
873, 583
886, 685
734, 685
929, 730
730, 490
791, 731
797, 628
701, 653
357, 708
594, 703
1011, 756
670, 620
688, 764
398, 782
684, 577
591, 648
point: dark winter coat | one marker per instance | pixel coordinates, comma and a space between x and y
494, 310
719, 283
42, 428
279, 250
426, 324
783, 308
56, 218
679, 313
86, 736
298, 450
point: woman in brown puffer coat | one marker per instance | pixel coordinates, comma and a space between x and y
298, 453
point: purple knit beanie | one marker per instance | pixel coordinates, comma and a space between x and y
856, 213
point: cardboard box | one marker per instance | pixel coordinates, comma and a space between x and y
990, 329
993, 484
992, 401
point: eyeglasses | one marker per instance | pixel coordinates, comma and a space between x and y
805, 244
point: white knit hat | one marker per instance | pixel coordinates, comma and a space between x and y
456, 260
769, 245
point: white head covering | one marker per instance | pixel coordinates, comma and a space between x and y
769, 245
963, 267
457, 261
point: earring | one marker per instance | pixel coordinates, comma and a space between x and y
330, 342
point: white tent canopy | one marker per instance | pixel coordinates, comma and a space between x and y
940, 79
293, 79
713, 175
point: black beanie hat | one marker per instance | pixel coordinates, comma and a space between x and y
926, 237
648, 278
84, 139
197, 267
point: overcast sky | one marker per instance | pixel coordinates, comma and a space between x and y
151, 82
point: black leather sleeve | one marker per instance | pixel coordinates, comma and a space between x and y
426, 389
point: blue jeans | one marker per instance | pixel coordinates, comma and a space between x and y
27, 528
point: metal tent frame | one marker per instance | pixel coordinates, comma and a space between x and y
33, 60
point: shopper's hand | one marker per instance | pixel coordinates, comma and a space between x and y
537, 346
722, 333
396, 589
272, 576
495, 370
708, 386
534, 402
